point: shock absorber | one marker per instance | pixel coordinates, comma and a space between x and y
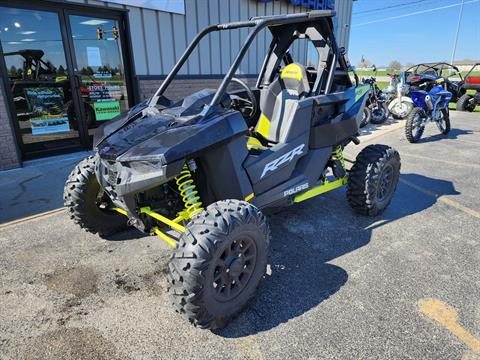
187, 188
338, 162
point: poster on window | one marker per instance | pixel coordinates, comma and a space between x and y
106, 110
46, 105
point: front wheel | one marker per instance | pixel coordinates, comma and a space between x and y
443, 123
87, 205
373, 179
466, 103
414, 126
400, 109
220, 261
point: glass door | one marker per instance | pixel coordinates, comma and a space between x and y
38, 79
99, 68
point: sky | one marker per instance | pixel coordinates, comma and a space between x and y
425, 37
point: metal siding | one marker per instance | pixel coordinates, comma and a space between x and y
224, 10
234, 34
202, 17
215, 51
252, 51
138, 44
167, 48
179, 39
152, 42
160, 38
243, 35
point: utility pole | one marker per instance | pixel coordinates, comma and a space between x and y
458, 30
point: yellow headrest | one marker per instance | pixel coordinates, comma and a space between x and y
291, 71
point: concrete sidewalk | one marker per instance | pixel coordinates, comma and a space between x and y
36, 187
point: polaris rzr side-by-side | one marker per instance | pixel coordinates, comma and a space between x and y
200, 172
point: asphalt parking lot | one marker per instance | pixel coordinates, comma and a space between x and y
403, 285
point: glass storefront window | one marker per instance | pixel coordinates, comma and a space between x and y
98, 55
38, 79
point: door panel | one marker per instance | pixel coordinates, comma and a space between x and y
99, 68
38, 78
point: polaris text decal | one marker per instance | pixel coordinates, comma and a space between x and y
286, 158
295, 189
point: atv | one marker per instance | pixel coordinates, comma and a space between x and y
202, 172
468, 101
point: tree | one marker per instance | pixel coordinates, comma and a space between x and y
408, 65
394, 66
61, 70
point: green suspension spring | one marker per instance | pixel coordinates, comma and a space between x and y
188, 192
337, 154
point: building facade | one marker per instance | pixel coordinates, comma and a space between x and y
68, 66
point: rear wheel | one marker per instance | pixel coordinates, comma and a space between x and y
379, 114
414, 126
466, 103
220, 260
86, 203
366, 116
373, 179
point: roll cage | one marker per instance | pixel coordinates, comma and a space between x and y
437, 68
316, 25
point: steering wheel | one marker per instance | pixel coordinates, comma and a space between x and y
248, 106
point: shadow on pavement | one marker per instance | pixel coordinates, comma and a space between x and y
37, 187
453, 134
308, 235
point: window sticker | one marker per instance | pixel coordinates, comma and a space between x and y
105, 110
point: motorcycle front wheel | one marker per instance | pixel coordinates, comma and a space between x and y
401, 109
415, 126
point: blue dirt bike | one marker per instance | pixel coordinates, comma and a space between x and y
431, 106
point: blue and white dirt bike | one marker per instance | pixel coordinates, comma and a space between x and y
431, 106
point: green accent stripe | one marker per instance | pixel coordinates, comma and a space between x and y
321, 189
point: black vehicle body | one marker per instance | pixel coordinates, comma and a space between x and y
424, 76
469, 100
147, 147
206, 167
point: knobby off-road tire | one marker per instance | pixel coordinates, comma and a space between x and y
412, 132
366, 116
208, 260
373, 179
80, 198
446, 122
375, 117
463, 104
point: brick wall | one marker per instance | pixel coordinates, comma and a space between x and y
178, 89
9, 154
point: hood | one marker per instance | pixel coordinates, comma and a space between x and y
169, 134
139, 124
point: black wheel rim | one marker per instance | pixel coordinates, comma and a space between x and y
234, 268
385, 184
